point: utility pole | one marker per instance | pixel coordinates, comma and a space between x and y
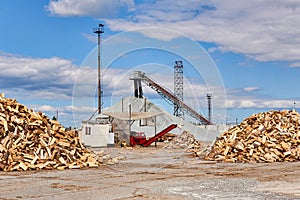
98, 31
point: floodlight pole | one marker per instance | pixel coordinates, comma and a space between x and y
98, 31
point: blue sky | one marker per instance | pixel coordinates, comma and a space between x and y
47, 46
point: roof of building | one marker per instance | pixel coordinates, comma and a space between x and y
162, 121
133, 115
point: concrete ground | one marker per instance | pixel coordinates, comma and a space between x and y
150, 173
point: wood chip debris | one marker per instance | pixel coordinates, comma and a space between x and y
29, 140
272, 136
185, 140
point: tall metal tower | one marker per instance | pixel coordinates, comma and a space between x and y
98, 31
209, 97
178, 88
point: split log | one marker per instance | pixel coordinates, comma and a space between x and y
272, 136
29, 140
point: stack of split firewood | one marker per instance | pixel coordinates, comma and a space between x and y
31, 141
185, 140
272, 136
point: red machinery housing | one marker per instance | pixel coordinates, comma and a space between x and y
140, 138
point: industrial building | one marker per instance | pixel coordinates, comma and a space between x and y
138, 114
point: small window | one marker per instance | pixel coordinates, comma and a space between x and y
88, 130
143, 122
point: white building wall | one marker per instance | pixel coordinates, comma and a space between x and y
98, 135
201, 133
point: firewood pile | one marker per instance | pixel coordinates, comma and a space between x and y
272, 136
31, 141
167, 137
185, 140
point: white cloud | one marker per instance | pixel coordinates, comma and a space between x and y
263, 30
239, 99
233, 102
247, 104
250, 89
91, 37
95, 8
37, 78
54, 78
296, 64
69, 108
213, 49
65, 113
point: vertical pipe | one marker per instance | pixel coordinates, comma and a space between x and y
140, 89
145, 110
136, 92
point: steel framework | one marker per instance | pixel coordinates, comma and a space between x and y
178, 88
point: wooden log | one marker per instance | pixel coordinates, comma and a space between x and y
62, 160
23, 166
30, 140
267, 137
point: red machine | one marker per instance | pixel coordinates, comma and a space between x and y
140, 138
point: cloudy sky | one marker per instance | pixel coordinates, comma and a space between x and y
248, 53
